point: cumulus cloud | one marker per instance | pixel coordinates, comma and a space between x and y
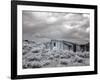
56, 25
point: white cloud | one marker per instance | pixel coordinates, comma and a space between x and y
86, 15
73, 17
88, 29
73, 26
68, 27
51, 20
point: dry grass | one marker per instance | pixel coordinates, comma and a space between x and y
39, 57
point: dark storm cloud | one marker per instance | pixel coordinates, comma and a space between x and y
72, 26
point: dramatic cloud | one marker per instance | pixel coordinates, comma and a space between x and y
50, 25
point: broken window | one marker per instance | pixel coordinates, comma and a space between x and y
54, 44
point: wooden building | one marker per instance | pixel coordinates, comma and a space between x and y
64, 45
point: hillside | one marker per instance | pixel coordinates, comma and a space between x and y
35, 55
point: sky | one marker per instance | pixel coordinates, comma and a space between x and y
74, 27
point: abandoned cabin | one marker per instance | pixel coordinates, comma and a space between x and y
64, 45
